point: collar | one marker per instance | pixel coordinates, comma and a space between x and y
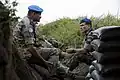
89, 31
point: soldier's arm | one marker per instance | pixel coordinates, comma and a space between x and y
27, 31
36, 58
87, 46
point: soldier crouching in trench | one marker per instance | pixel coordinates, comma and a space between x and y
77, 69
86, 28
25, 39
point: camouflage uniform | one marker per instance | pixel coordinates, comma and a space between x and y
86, 41
75, 58
24, 35
24, 32
77, 62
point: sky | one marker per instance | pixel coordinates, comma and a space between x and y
55, 9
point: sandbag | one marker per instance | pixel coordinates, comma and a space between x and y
110, 46
91, 79
107, 33
96, 76
97, 66
88, 76
107, 57
81, 70
91, 68
107, 70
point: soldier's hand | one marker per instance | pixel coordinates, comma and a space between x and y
37, 58
33, 51
80, 51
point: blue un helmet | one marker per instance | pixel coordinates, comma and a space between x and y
35, 8
86, 20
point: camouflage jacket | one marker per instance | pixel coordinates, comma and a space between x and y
87, 41
24, 33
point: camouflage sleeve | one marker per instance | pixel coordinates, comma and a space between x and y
23, 33
87, 47
16, 32
87, 44
27, 33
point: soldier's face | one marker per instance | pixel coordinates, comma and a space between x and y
36, 17
84, 27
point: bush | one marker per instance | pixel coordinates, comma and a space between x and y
67, 31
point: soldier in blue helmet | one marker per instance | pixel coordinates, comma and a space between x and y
25, 39
86, 26
34, 12
25, 31
81, 56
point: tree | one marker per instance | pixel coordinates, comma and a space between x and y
11, 7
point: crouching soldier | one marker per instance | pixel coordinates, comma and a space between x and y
79, 62
25, 39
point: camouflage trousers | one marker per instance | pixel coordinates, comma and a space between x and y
78, 65
49, 54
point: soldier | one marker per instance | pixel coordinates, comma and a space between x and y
24, 33
25, 40
85, 28
76, 63
12, 67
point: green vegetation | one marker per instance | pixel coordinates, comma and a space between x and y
67, 31
11, 8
